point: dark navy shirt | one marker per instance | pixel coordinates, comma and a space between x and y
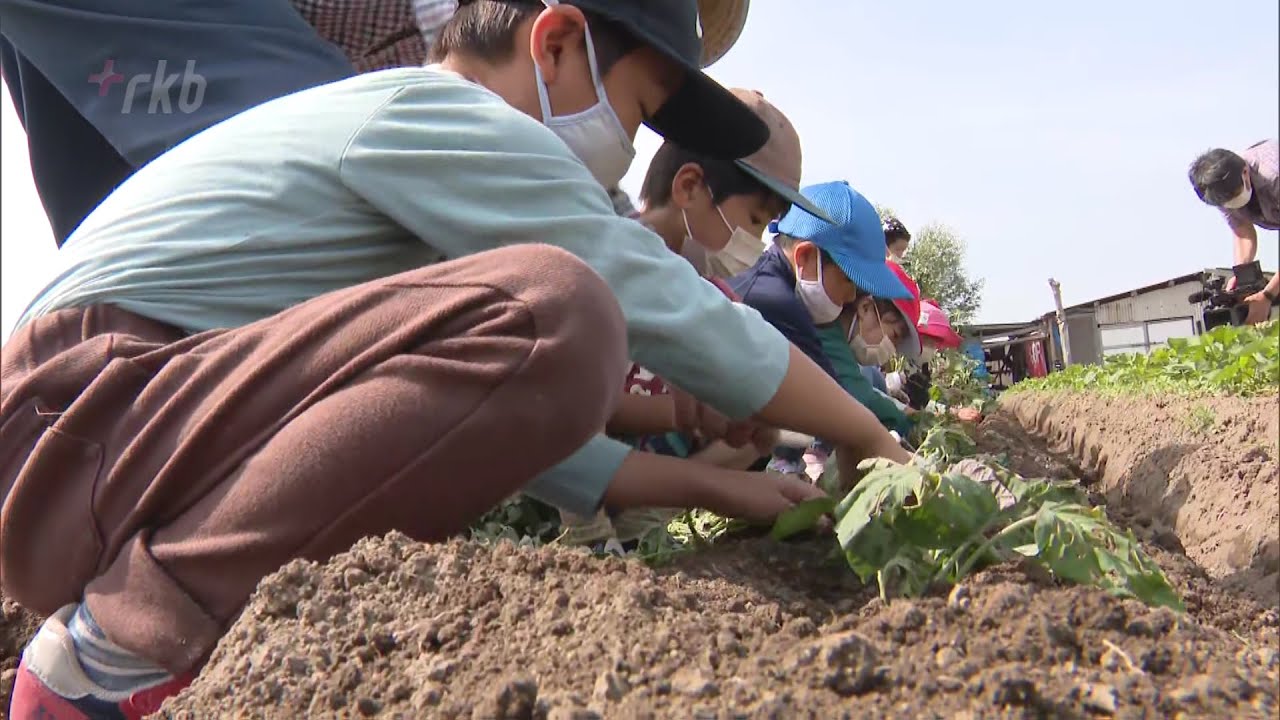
769, 286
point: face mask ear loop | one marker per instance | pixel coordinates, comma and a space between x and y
591, 62
723, 219
820, 283
543, 100
853, 326
596, 80
719, 210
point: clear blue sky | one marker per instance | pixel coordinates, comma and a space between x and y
1053, 137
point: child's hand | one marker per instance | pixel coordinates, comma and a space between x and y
760, 496
696, 418
765, 439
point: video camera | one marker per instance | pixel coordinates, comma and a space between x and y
1226, 307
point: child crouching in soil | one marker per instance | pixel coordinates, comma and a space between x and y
211, 386
870, 333
711, 212
814, 269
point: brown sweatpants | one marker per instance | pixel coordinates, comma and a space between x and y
159, 477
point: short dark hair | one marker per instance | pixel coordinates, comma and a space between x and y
894, 230
786, 243
486, 30
1217, 176
723, 177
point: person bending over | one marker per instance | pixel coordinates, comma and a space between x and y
1245, 186
711, 212
301, 326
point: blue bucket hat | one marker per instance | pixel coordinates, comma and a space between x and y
855, 241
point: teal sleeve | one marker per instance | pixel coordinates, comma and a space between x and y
455, 165
578, 483
850, 377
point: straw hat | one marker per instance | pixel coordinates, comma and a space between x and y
722, 22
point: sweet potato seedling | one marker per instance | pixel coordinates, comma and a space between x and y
913, 526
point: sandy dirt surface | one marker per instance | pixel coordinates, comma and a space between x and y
752, 628
1207, 470
16, 625
396, 629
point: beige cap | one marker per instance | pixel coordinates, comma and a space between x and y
721, 22
780, 157
779, 163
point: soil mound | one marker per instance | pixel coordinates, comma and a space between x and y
16, 627
1205, 469
752, 628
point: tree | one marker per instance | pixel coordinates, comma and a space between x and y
935, 260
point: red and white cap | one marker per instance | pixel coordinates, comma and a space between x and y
910, 308
935, 324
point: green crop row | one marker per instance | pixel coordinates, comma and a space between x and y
1224, 361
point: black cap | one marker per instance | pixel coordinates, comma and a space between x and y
702, 115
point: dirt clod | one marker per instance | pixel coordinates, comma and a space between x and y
1099, 698
611, 687
849, 663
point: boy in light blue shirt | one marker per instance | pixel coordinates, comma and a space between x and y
303, 325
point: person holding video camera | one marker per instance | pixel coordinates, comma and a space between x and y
1245, 186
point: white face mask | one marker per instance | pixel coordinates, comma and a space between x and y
596, 134
692, 250
821, 307
739, 254
879, 354
875, 355
1239, 201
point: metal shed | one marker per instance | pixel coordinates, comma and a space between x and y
1139, 320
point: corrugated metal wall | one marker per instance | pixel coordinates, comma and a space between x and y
1170, 302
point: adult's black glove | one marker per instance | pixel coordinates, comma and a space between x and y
917, 387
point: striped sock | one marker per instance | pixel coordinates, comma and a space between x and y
107, 664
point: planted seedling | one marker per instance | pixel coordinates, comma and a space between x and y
912, 526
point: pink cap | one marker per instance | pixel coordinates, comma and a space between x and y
935, 324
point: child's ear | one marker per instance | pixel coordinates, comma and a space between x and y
804, 251
555, 30
687, 184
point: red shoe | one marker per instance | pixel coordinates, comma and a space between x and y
52, 686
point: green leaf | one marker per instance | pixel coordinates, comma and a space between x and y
803, 516
886, 489
1062, 534
1036, 492
871, 549
830, 480
1079, 544
957, 509
1153, 588
908, 572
